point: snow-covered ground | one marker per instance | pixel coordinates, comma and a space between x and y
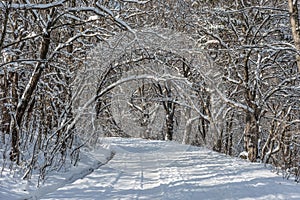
144, 169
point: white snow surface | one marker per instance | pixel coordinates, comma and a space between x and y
146, 169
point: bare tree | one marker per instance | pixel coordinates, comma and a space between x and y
252, 45
43, 47
132, 107
213, 73
294, 18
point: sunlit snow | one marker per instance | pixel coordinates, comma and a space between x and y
145, 169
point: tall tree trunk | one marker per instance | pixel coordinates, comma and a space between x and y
228, 136
251, 131
4, 27
26, 97
251, 137
294, 18
4, 96
170, 120
188, 126
170, 111
13, 77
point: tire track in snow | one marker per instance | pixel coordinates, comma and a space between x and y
112, 183
140, 171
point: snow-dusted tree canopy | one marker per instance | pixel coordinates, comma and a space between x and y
156, 69
224, 75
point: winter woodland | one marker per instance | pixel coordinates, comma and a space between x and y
219, 74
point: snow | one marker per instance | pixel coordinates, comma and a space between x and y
94, 17
31, 6
145, 169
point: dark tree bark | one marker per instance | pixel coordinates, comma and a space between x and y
3, 31
251, 137
294, 19
170, 111
26, 98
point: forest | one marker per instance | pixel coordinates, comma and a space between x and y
219, 74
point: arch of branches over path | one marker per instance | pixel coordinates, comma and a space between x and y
167, 69
158, 69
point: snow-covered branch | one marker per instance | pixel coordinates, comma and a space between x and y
135, 1
33, 6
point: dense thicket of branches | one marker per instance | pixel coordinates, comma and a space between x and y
214, 73
43, 46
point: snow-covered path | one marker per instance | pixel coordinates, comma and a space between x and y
143, 169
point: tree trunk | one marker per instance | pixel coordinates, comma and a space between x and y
228, 137
188, 126
251, 137
294, 19
251, 131
13, 77
170, 111
4, 96
26, 97
4, 27
170, 126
